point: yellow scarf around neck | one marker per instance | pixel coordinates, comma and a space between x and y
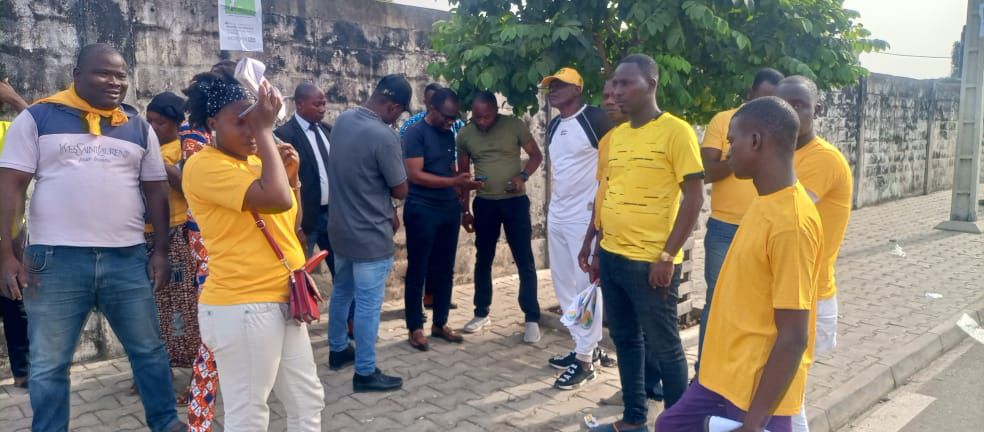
71, 99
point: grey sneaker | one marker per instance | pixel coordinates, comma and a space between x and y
532, 333
476, 324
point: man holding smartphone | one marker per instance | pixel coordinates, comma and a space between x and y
431, 216
493, 141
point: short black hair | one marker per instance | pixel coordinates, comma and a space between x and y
91, 50
645, 63
432, 87
169, 105
441, 96
775, 118
304, 90
197, 99
767, 75
485, 96
806, 82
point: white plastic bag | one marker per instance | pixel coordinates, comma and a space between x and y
249, 73
583, 317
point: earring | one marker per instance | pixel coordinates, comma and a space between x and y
215, 139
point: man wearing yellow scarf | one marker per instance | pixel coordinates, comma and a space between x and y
96, 164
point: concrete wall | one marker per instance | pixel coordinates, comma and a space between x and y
899, 134
343, 46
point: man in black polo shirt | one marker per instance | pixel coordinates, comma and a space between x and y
432, 217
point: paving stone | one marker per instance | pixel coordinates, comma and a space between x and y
494, 381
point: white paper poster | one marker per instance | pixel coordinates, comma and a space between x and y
240, 25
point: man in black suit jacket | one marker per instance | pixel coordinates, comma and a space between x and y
306, 132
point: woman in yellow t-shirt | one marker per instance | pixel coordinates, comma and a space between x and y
177, 303
243, 304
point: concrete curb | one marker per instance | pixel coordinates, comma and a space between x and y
839, 407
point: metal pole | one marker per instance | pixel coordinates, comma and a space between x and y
967, 169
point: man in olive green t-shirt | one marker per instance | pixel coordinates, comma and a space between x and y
493, 141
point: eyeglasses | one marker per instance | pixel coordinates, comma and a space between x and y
450, 117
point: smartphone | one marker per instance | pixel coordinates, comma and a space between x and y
481, 178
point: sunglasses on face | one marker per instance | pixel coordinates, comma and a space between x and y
450, 117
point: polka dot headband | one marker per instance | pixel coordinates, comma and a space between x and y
218, 94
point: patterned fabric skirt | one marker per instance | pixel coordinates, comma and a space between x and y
177, 303
204, 375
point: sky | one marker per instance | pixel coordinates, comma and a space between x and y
909, 26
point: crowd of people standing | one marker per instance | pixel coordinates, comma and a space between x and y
183, 229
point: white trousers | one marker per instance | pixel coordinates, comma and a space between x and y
258, 350
826, 340
564, 242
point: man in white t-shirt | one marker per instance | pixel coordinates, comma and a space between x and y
573, 141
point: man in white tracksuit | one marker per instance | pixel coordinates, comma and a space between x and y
573, 139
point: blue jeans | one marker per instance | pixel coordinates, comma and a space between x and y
65, 284
717, 240
643, 325
365, 284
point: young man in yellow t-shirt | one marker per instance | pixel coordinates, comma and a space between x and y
826, 175
653, 162
760, 335
730, 196
588, 263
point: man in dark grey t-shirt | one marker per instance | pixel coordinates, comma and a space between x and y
365, 170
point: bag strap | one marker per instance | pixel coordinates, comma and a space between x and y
270, 240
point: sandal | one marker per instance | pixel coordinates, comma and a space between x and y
181, 399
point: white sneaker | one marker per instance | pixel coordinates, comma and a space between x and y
476, 324
532, 333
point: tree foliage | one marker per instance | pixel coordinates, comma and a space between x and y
708, 50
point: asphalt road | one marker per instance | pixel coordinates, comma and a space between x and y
946, 396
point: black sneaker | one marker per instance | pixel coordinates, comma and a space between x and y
575, 376
377, 382
563, 362
601, 356
340, 359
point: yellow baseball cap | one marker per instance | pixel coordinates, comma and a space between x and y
567, 75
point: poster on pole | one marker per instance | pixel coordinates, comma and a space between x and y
240, 25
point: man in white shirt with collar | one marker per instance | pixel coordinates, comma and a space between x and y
306, 132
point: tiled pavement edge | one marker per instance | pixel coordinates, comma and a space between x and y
889, 328
836, 409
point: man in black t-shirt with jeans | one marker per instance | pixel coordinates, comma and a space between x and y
431, 216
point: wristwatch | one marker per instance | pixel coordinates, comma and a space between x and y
524, 175
666, 257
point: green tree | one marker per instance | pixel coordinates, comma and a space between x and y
708, 50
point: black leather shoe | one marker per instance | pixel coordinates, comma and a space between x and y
338, 360
377, 382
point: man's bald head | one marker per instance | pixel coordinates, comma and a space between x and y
94, 51
801, 92
100, 76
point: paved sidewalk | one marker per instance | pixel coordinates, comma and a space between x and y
496, 382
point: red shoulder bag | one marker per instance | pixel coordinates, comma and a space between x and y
304, 294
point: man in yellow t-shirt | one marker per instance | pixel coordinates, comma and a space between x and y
653, 161
12, 310
730, 196
760, 334
826, 175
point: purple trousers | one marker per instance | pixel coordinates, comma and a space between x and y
698, 403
